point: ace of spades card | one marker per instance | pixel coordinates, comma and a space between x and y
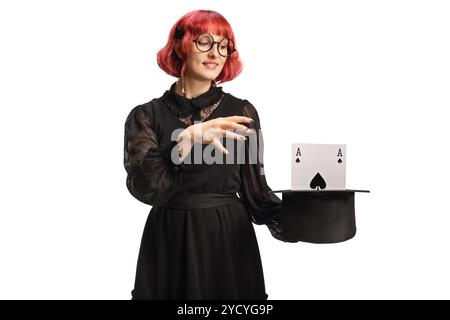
318, 166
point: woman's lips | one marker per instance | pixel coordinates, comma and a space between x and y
210, 66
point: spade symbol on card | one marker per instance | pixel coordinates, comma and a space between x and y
340, 161
298, 160
318, 182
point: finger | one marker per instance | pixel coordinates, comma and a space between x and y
218, 145
240, 119
237, 126
229, 134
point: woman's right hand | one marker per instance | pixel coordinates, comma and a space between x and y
211, 131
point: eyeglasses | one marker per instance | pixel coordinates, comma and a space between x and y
205, 42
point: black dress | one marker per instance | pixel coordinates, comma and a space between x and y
198, 241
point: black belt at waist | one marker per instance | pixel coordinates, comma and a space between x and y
200, 200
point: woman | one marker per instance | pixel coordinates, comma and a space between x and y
198, 241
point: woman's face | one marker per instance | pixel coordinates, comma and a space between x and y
206, 65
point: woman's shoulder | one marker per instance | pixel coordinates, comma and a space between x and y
245, 106
148, 108
151, 104
234, 99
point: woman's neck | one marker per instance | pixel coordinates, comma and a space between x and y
192, 87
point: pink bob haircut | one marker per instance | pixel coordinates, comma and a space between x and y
187, 28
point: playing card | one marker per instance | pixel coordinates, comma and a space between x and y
318, 166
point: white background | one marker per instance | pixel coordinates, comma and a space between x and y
371, 74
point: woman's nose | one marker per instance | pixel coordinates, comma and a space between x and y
212, 52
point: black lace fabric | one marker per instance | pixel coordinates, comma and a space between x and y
263, 206
205, 112
152, 177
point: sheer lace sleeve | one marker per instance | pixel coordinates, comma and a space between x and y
152, 177
264, 206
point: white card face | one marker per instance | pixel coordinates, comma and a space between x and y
318, 166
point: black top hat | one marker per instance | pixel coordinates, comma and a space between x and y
319, 216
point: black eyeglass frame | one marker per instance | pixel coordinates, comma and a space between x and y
212, 44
